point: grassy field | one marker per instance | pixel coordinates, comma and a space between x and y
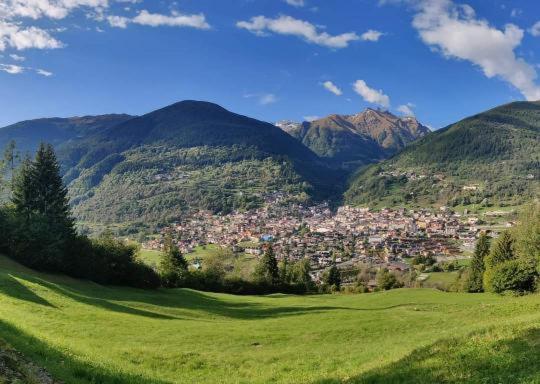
82, 332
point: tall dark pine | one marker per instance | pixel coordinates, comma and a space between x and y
44, 218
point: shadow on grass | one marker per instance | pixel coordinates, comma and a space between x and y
125, 300
97, 301
10, 286
480, 358
64, 367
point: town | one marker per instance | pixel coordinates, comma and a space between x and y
347, 236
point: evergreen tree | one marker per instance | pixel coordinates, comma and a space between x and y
267, 270
333, 277
173, 266
501, 251
478, 264
45, 228
284, 273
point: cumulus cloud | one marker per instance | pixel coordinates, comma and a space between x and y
332, 88
371, 95
144, 17
296, 3
535, 29
287, 25
406, 109
456, 32
54, 9
371, 35
174, 20
20, 38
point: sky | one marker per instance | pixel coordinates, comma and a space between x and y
440, 60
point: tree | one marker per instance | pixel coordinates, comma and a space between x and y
527, 233
302, 274
501, 251
267, 270
387, 280
43, 224
284, 272
477, 268
173, 266
333, 277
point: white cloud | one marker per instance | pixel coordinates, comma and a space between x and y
287, 25
14, 36
43, 72
371, 35
11, 69
332, 88
175, 20
457, 33
311, 118
296, 3
371, 95
54, 9
118, 21
262, 98
535, 29
406, 109
17, 57
516, 12
268, 98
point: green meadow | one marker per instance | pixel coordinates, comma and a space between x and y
82, 332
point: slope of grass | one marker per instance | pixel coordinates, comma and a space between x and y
82, 332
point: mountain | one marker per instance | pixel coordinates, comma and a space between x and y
349, 141
28, 134
150, 169
492, 158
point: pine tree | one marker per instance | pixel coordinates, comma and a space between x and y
45, 226
501, 251
268, 270
478, 264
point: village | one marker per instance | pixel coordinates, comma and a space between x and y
384, 238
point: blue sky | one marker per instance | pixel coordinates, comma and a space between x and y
270, 59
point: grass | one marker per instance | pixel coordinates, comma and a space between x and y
82, 332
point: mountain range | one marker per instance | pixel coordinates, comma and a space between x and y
134, 172
492, 158
350, 141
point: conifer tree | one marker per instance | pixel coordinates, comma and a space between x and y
268, 270
501, 251
478, 264
45, 226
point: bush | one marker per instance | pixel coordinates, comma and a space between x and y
512, 275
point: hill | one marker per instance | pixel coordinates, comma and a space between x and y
134, 172
492, 158
349, 141
125, 335
57, 131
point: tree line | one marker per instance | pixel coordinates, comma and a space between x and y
38, 230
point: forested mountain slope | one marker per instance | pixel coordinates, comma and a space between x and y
492, 158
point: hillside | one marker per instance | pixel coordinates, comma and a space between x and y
349, 141
190, 155
492, 158
123, 335
57, 131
